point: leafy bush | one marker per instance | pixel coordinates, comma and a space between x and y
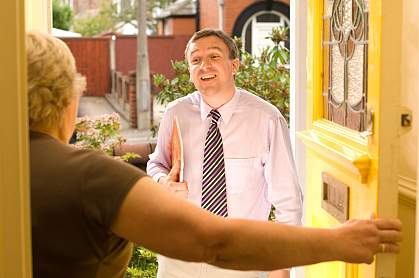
143, 264
62, 15
266, 76
101, 133
178, 87
94, 24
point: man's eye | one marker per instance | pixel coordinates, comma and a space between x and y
214, 56
195, 61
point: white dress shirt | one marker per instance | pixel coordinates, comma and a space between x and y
259, 165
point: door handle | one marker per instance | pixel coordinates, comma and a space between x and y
406, 119
369, 124
365, 134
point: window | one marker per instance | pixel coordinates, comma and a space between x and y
258, 27
345, 49
256, 21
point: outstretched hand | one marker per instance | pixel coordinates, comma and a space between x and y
362, 239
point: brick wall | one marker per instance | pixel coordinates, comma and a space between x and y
209, 13
176, 26
232, 9
183, 26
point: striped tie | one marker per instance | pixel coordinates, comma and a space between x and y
214, 195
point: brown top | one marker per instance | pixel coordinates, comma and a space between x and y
75, 196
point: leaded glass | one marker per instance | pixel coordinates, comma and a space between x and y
345, 49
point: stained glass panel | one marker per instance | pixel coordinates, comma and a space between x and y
338, 78
345, 49
355, 76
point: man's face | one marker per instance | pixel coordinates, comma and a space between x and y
211, 69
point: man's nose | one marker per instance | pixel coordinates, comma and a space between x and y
205, 63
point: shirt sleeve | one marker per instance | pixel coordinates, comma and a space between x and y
159, 164
284, 191
105, 184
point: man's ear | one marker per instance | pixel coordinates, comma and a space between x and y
236, 65
189, 70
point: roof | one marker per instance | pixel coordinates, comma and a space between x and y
178, 8
64, 34
127, 28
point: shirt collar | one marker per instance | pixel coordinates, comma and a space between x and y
225, 110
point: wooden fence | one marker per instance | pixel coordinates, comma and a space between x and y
117, 83
93, 61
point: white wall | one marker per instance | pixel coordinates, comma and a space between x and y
408, 139
298, 103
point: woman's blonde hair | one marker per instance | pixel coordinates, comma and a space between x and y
52, 79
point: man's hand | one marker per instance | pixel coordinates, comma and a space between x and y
364, 238
172, 184
282, 273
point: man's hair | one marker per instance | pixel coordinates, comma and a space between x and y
228, 41
52, 79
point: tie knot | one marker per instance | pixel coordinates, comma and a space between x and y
215, 115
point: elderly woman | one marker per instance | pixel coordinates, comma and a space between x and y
87, 207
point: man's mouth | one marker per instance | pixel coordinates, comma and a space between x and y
208, 77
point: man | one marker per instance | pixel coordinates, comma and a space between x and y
251, 167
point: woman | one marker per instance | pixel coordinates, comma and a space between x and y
87, 207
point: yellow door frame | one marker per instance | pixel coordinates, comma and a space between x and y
15, 244
16, 17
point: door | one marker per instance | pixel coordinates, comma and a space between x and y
353, 86
15, 233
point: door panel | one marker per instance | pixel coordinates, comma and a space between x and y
363, 161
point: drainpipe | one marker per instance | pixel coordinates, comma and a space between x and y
220, 14
268, 5
113, 63
198, 16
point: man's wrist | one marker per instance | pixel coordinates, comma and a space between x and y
158, 177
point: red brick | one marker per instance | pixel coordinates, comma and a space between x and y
232, 9
208, 13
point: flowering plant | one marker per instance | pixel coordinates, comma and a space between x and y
101, 133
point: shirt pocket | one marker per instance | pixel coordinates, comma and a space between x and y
241, 174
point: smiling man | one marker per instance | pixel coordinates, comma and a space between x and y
237, 154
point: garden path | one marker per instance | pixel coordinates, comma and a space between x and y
96, 106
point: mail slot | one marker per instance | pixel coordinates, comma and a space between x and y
335, 197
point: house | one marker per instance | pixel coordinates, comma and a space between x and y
249, 19
347, 171
179, 18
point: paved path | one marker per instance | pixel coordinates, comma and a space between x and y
96, 106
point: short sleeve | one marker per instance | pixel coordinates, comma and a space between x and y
105, 184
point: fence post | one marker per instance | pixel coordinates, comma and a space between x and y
132, 96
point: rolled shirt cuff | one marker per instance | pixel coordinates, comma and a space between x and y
157, 176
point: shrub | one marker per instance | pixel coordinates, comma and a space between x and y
62, 15
101, 133
143, 264
91, 24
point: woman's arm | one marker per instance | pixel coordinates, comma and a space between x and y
156, 219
